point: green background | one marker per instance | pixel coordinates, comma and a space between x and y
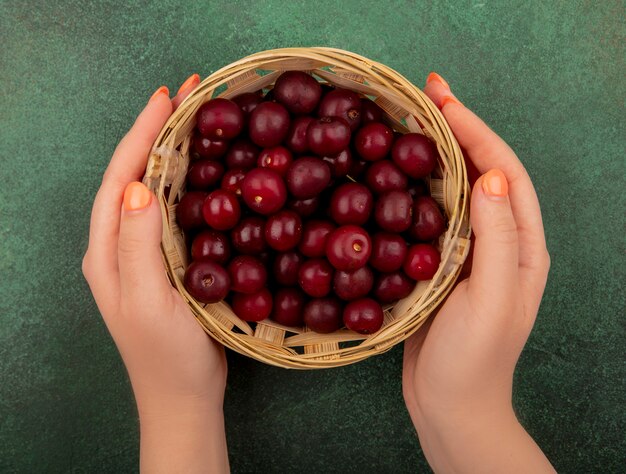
547, 76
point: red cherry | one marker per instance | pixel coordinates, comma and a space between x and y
286, 267
263, 190
353, 285
428, 222
307, 177
219, 119
204, 174
277, 158
393, 211
342, 103
357, 168
328, 136
422, 262
364, 316
390, 287
248, 102
351, 203
388, 252
314, 237
248, 236
298, 91
304, 207
208, 148
232, 181
289, 307
242, 154
340, 164
348, 248
418, 188
206, 281
189, 211
253, 307
269, 124
323, 315
210, 245
373, 141
296, 137
221, 209
283, 230
247, 274
370, 112
315, 277
414, 154
384, 175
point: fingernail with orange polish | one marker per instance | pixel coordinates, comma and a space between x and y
136, 196
160, 90
433, 76
449, 99
495, 183
191, 82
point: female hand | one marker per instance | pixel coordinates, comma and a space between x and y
178, 373
458, 368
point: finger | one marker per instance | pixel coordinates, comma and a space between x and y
487, 150
142, 274
127, 164
494, 282
185, 89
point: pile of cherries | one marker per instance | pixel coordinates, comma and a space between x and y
304, 207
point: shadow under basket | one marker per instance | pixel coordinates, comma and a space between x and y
407, 109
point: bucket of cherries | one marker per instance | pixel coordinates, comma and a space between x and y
315, 206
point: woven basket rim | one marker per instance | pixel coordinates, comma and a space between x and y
406, 108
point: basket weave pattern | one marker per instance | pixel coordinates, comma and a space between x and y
407, 109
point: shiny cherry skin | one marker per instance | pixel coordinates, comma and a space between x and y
208, 148
370, 111
189, 211
384, 175
373, 141
342, 103
207, 281
277, 158
211, 245
390, 287
204, 174
348, 248
221, 209
248, 102
298, 91
323, 315
307, 177
393, 211
247, 274
422, 262
314, 236
351, 203
388, 252
364, 316
242, 154
269, 124
232, 180
315, 277
253, 307
248, 236
289, 307
283, 230
340, 164
328, 136
296, 138
353, 285
428, 221
220, 119
286, 267
304, 207
415, 155
264, 191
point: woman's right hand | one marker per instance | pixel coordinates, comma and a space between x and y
458, 368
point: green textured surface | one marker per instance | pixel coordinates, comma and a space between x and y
548, 76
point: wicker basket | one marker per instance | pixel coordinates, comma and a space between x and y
406, 109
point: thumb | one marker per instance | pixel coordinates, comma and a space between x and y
142, 274
494, 278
